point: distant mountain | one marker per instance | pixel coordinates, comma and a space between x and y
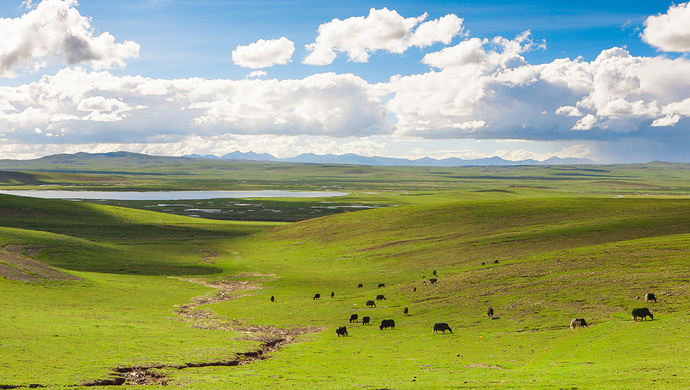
354, 159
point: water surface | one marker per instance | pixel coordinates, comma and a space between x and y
169, 195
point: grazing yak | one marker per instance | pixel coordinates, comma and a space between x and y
405, 311
316, 296
371, 304
332, 294
578, 323
365, 320
273, 299
381, 285
360, 285
649, 297
490, 313
353, 318
380, 298
442, 327
341, 331
643, 313
433, 280
435, 273
387, 324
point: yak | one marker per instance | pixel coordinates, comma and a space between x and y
380, 298
387, 324
381, 285
365, 320
353, 318
442, 327
649, 297
643, 313
490, 313
578, 323
371, 303
341, 331
317, 296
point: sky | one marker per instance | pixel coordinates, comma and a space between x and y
603, 80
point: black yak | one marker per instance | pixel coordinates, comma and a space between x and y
578, 323
380, 298
341, 331
365, 320
353, 318
643, 313
317, 296
442, 327
490, 313
387, 324
649, 297
371, 303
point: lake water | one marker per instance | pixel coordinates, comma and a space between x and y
170, 195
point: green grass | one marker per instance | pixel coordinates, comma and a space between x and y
561, 255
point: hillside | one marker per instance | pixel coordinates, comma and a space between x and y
537, 262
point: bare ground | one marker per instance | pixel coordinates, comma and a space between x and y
15, 266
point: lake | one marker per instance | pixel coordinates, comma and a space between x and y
170, 195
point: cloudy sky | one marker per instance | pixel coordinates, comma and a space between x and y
604, 80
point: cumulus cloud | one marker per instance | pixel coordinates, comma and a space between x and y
381, 30
669, 31
264, 53
55, 31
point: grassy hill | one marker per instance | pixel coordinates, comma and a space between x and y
161, 292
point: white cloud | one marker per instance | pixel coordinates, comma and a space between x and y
381, 30
568, 111
264, 53
466, 52
55, 31
669, 31
668, 120
586, 123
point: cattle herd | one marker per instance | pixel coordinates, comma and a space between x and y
637, 313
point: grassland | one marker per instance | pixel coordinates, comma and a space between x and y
540, 245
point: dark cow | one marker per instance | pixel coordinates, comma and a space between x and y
435, 273
649, 297
381, 285
273, 299
371, 303
495, 261
414, 289
360, 285
643, 313
387, 324
442, 327
380, 298
341, 331
405, 311
353, 318
365, 320
490, 313
433, 280
332, 294
317, 296
578, 323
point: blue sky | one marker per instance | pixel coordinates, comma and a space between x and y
604, 80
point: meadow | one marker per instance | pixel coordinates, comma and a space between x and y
153, 298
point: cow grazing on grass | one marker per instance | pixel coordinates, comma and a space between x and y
332, 294
341, 331
490, 313
405, 311
442, 327
495, 261
380, 298
643, 313
273, 299
317, 296
433, 280
365, 320
649, 297
381, 285
360, 285
353, 318
387, 324
371, 304
578, 323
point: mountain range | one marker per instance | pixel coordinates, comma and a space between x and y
355, 159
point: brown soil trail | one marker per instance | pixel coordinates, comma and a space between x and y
272, 338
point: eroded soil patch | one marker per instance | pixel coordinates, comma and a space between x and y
15, 266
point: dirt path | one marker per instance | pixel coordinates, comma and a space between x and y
272, 338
